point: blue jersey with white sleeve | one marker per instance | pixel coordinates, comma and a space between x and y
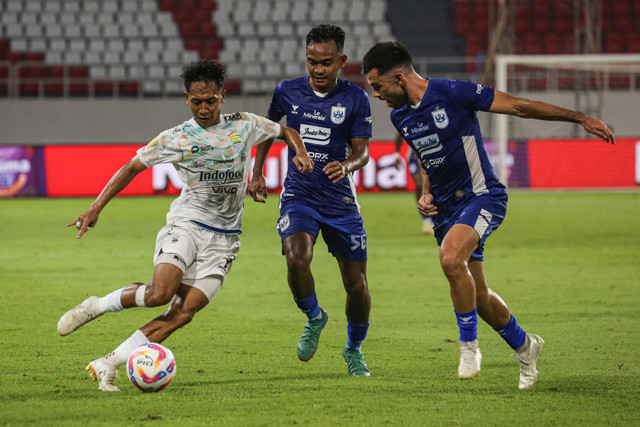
444, 130
326, 124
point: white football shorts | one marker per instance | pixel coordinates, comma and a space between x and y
205, 257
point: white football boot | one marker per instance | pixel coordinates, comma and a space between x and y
527, 359
104, 373
470, 359
78, 316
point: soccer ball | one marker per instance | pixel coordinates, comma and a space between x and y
151, 367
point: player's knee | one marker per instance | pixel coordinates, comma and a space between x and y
298, 264
156, 296
451, 264
183, 318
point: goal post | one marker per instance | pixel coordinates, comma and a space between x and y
588, 73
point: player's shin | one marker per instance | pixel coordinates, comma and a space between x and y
513, 334
120, 355
356, 333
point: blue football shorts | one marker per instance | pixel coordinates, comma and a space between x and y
484, 213
344, 235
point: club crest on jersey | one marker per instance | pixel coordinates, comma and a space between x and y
440, 118
338, 114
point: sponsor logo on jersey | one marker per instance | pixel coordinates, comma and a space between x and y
338, 114
232, 117
368, 119
479, 89
428, 144
224, 190
404, 131
222, 176
440, 118
420, 127
318, 157
316, 115
429, 163
315, 134
294, 109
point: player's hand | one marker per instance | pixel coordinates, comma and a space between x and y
335, 170
84, 221
303, 163
397, 162
599, 129
425, 205
258, 189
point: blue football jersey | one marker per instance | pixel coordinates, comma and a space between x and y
326, 125
445, 132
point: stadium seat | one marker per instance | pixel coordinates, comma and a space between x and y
103, 88
615, 43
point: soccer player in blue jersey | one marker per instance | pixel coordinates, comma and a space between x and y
333, 117
437, 118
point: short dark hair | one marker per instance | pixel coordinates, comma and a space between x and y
203, 71
325, 33
385, 56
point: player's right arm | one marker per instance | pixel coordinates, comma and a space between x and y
425, 204
294, 142
258, 185
116, 184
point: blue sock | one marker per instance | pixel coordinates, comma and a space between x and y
356, 333
513, 334
309, 306
468, 325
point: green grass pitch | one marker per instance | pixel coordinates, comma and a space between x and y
567, 263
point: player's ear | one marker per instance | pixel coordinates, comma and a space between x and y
186, 97
343, 60
223, 95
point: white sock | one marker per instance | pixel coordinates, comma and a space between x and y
140, 295
111, 302
120, 355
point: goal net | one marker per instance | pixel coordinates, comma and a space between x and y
605, 86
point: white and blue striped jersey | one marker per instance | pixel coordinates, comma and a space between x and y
445, 132
326, 124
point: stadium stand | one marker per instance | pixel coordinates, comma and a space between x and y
56, 48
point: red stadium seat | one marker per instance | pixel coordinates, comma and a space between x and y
463, 17
352, 68
128, 88
54, 89
619, 8
103, 88
533, 44
633, 43
563, 26
615, 43
4, 45
542, 10
208, 29
233, 86
624, 24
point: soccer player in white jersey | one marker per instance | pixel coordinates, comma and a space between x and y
437, 118
195, 250
333, 116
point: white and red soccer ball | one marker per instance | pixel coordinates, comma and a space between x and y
151, 367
